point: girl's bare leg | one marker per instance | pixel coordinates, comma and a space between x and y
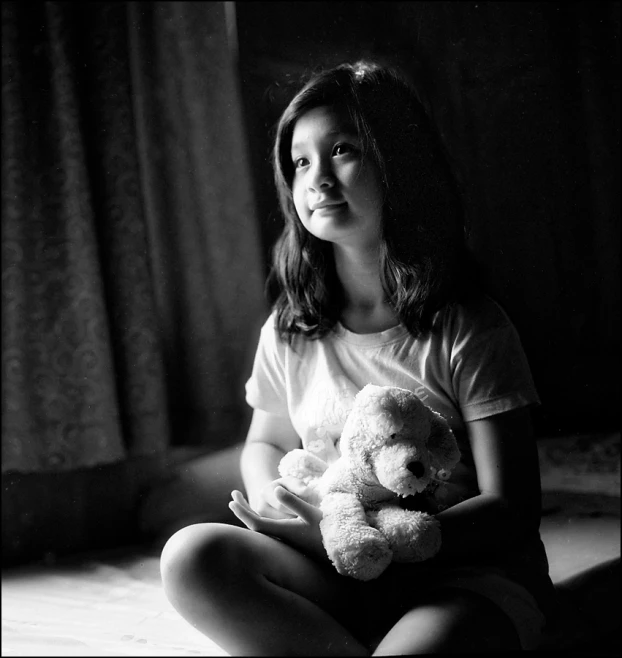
254, 595
450, 621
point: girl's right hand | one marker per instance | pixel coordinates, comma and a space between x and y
266, 504
302, 530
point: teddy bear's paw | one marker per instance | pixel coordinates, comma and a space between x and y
365, 559
302, 465
413, 536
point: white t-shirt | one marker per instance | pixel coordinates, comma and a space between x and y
472, 367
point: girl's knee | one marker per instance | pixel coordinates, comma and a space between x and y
200, 553
451, 621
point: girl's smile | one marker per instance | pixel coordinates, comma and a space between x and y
328, 206
337, 191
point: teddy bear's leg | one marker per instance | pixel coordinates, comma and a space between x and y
353, 546
413, 536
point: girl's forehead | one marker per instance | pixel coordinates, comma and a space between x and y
324, 120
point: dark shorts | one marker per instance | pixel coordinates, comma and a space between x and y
400, 587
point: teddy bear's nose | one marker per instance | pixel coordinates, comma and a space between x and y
416, 468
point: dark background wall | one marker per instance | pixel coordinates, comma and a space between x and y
526, 95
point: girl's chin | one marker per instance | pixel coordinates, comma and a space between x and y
326, 226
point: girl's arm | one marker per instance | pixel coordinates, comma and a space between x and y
274, 506
508, 475
269, 438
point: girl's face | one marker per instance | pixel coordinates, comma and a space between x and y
337, 193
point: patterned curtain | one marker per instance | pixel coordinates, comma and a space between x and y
130, 278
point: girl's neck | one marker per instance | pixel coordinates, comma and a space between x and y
366, 308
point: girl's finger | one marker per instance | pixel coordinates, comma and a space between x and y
301, 508
246, 515
238, 497
280, 528
277, 514
241, 500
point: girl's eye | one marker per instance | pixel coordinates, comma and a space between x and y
300, 162
343, 149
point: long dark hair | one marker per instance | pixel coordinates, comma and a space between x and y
422, 248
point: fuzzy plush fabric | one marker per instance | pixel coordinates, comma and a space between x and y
392, 446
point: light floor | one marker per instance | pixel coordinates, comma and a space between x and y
112, 604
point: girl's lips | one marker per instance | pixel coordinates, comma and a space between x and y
330, 206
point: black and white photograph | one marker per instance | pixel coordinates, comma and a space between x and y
310, 328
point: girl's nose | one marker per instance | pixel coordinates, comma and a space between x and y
321, 177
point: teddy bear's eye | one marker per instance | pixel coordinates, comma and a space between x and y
392, 436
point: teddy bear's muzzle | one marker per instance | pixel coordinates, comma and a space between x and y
401, 470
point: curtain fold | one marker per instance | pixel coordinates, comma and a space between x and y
130, 282
202, 221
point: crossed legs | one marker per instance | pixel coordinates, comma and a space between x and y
450, 621
254, 595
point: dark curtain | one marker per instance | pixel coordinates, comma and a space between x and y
131, 286
200, 211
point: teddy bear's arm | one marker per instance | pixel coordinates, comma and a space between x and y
412, 535
303, 465
353, 546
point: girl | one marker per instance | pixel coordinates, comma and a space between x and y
370, 285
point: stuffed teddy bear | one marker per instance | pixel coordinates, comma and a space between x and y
392, 446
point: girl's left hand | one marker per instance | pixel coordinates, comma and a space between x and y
302, 532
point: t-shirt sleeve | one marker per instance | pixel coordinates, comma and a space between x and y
490, 371
266, 389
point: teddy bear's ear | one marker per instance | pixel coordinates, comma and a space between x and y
385, 414
442, 445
